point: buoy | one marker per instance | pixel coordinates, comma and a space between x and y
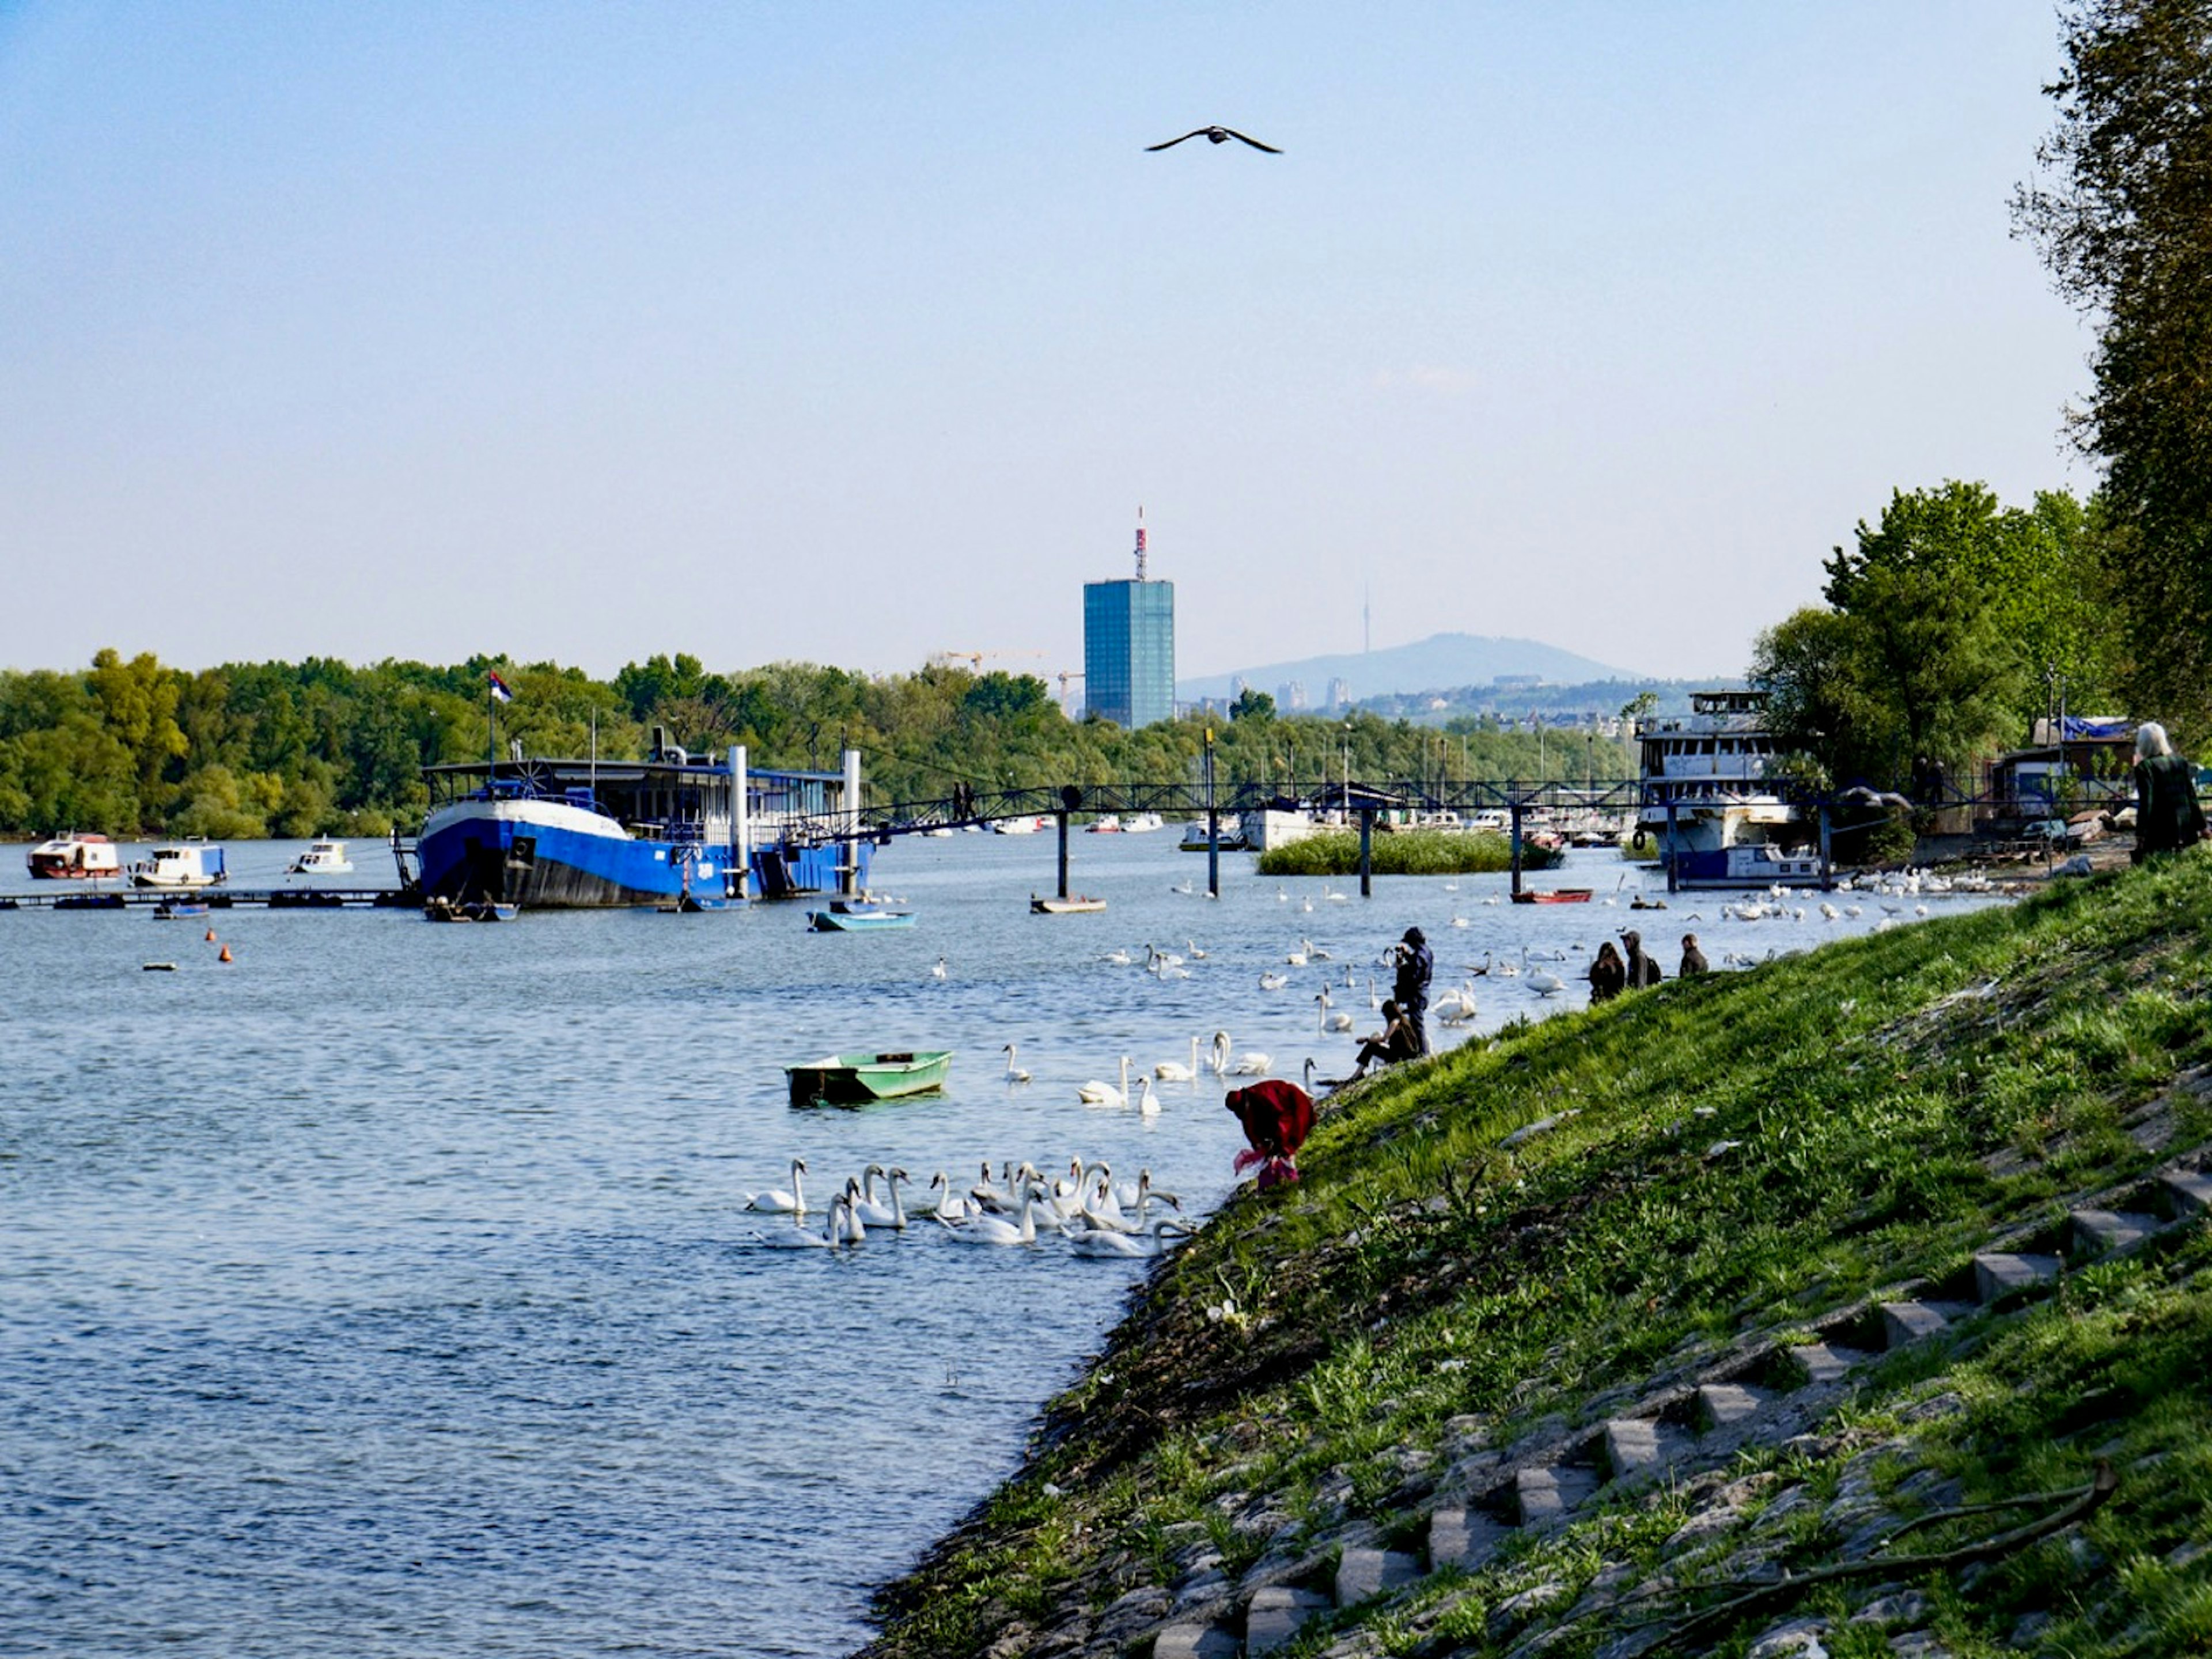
210, 936
223, 955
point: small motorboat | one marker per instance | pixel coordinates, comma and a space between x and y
1075, 904
322, 858
187, 866
173, 909
1554, 896
856, 1080
843, 917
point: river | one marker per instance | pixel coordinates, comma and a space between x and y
386, 1291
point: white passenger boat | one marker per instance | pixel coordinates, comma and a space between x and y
1731, 828
322, 858
184, 866
75, 857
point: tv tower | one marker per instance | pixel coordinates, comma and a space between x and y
1140, 542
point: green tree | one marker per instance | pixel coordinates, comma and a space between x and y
2122, 215
1252, 704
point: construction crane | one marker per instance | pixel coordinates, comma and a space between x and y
974, 659
1063, 677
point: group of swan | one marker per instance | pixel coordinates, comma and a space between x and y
1097, 1217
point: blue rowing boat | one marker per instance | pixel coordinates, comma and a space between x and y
844, 918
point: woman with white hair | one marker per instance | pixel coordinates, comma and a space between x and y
2167, 816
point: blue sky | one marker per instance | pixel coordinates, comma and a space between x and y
854, 331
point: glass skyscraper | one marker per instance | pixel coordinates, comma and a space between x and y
1128, 651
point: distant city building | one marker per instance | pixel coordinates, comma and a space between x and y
1291, 696
1339, 694
1129, 647
1516, 679
1236, 684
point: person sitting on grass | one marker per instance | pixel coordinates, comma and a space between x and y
1394, 1042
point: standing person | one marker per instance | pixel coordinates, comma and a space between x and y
2168, 817
1411, 993
1693, 959
1642, 970
1608, 974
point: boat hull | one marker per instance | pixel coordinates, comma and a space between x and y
857, 1079
1555, 895
850, 921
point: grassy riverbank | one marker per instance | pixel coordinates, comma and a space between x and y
1675, 1212
1404, 853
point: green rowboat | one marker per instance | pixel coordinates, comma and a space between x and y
855, 1080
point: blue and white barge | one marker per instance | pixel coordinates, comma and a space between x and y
574, 834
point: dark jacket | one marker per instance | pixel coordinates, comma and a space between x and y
1642, 969
1693, 962
2168, 817
1609, 977
1415, 964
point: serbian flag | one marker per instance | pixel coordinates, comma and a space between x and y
498, 691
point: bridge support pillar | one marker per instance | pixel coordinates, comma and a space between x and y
1060, 819
1516, 846
1367, 852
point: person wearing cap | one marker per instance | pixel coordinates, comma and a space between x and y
1642, 970
1411, 993
1693, 959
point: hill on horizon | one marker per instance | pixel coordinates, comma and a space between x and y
1440, 661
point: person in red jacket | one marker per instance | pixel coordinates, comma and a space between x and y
1277, 1116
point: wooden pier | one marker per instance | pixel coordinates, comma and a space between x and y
75, 897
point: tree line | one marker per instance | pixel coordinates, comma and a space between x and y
1954, 621
132, 746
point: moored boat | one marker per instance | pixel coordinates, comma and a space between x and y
76, 856
855, 1080
322, 858
571, 833
185, 866
1554, 896
1075, 904
1705, 798
847, 918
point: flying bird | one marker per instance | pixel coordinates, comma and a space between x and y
1216, 135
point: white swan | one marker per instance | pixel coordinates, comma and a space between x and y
1273, 981
1173, 1070
1095, 1093
1148, 1103
1313, 951
869, 1213
1220, 1062
937, 972
776, 1201
1097, 1243
1117, 958
1546, 983
1331, 1019
951, 1206
990, 1230
1014, 1073
1252, 1063
798, 1237
1196, 955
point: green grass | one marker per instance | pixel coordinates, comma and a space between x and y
1403, 852
1420, 1285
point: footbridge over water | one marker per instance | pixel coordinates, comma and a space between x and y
1358, 802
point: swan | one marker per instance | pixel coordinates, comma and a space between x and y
1173, 1070
937, 972
870, 1214
1124, 1246
1281, 898
1095, 1093
1273, 981
1331, 1021
798, 1237
1196, 955
1148, 1104
1306, 904
1014, 1073
1220, 1062
1117, 958
1296, 959
775, 1199
1459, 921
1313, 951
1165, 970
951, 1206
1252, 1063
1546, 983
1333, 896
1249, 1064
991, 1230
